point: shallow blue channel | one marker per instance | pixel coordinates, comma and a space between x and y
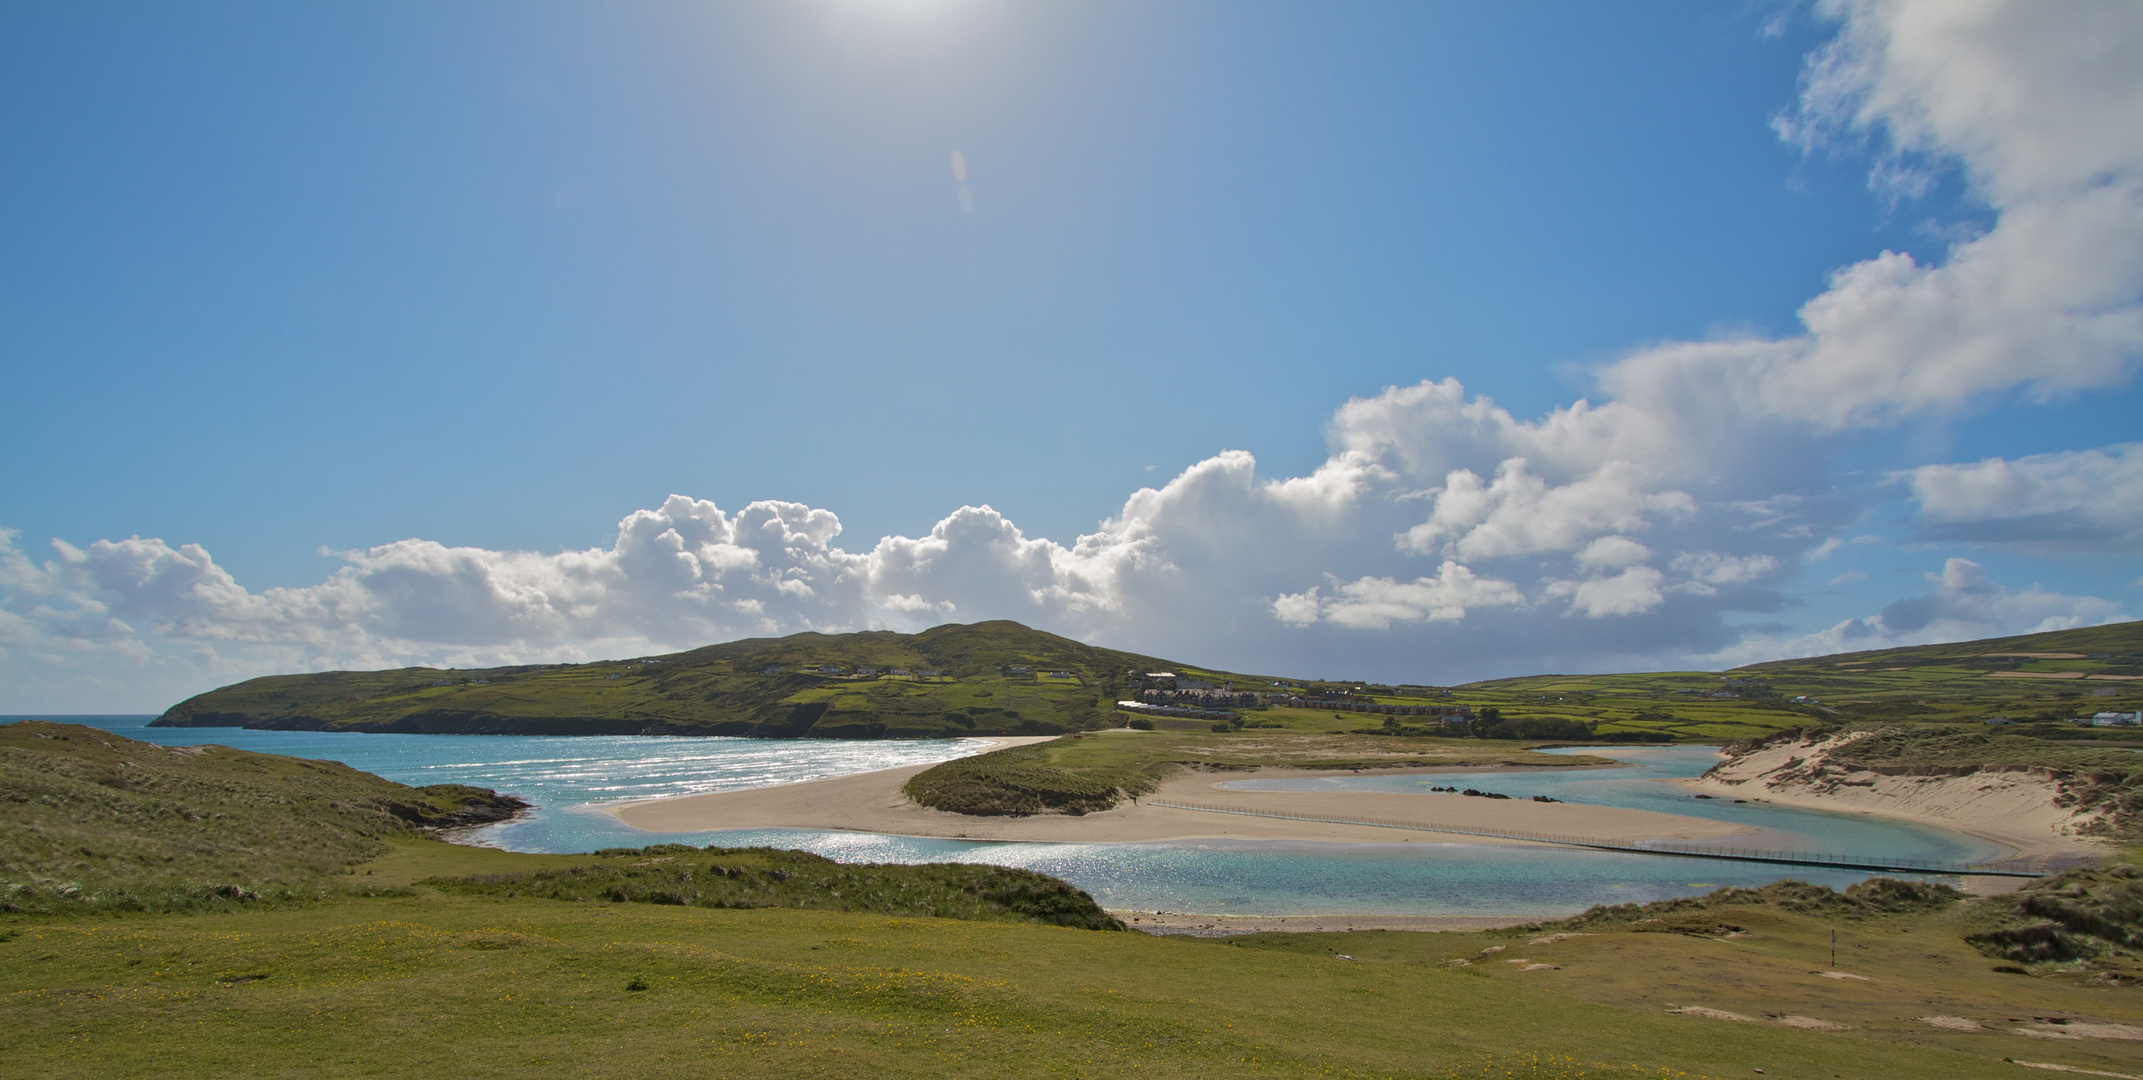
569, 778
1646, 783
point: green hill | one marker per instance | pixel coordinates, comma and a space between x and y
845, 686
91, 815
804, 685
92, 822
2047, 677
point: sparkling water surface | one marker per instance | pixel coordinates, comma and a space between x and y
570, 777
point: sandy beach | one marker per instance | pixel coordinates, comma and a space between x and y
1192, 925
873, 802
2012, 808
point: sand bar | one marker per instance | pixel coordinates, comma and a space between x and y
1188, 925
873, 802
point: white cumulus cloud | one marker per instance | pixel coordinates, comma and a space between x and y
1634, 591
1376, 603
1443, 537
2084, 499
1521, 514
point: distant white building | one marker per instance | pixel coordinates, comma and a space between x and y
1022, 669
772, 669
901, 672
2118, 719
867, 672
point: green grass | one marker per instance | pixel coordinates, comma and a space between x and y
435, 983
724, 690
88, 817
716, 877
2085, 923
414, 957
1962, 682
718, 690
93, 822
1095, 772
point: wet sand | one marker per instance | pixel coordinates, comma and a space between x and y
873, 802
1190, 925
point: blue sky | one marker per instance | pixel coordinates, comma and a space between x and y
394, 311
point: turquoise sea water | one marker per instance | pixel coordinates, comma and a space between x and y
568, 777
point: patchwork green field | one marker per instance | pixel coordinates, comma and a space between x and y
1001, 678
2049, 678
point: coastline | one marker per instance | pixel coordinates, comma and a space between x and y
2013, 809
2008, 813
1180, 924
873, 802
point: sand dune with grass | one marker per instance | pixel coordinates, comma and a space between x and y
2018, 807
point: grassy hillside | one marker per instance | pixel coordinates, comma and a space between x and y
89, 817
93, 822
728, 689
725, 689
2048, 677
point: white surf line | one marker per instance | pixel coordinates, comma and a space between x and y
1791, 858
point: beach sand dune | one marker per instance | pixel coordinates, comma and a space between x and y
2018, 808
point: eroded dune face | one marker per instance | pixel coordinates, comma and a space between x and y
2024, 806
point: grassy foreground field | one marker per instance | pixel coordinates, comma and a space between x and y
431, 983
391, 953
422, 980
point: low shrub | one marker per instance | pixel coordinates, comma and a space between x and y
1020, 780
2081, 914
717, 877
1875, 896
